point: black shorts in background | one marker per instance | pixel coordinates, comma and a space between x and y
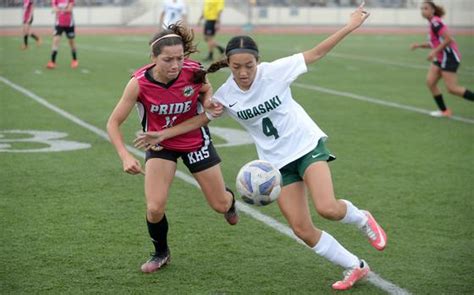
210, 28
70, 34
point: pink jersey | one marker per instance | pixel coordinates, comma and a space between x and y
63, 18
27, 11
437, 29
161, 106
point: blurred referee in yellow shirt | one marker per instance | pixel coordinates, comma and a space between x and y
211, 15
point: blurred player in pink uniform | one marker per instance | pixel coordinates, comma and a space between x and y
64, 23
445, 56
28, 7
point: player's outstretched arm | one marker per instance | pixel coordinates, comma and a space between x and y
356, 20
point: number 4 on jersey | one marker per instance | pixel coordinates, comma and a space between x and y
268, 128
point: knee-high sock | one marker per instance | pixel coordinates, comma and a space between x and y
159, 234
329, 248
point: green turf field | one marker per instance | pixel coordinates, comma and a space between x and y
72, 222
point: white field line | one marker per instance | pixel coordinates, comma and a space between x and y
466, 69
376, 101
373, 278
332, 91
369, 59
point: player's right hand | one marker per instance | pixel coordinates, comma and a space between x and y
414, 46
132, 165
215, 109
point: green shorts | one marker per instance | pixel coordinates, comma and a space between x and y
294, 171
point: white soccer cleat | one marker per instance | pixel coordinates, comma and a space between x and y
439, 114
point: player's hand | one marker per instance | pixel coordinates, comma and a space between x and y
358, 17
414, 46
215, 109
431, 56
132, 165
150, 140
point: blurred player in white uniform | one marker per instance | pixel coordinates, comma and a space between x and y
173, 11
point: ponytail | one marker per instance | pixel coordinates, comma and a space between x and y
214, 67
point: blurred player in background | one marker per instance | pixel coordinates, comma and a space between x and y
64, 23
445, 56
258, 96
174, 11
166, 92
212, 20
28, 7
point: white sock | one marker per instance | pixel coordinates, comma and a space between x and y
330, 249
354, 215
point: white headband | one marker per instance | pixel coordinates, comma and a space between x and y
165, 36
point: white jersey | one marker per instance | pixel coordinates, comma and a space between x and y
174, 11
279, 126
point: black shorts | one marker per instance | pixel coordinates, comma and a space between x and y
449, 63
210, 28
70, 34
196, 161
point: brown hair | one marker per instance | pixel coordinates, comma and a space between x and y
438, 10
185, 37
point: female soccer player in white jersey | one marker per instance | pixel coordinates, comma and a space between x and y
446, 59
258, 96
166, 92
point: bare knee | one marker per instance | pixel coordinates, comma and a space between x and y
430, 84
154, 213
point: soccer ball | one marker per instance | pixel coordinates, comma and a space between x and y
259, 183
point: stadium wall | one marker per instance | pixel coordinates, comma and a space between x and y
147, 12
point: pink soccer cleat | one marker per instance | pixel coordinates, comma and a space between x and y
375, 233
51, 65
156, 262
74, 64
352, 276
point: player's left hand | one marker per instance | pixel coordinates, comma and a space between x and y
358, 17
149, 140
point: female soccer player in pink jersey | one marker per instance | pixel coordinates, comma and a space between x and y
167, 92
445, 56
28, 7
64, 23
